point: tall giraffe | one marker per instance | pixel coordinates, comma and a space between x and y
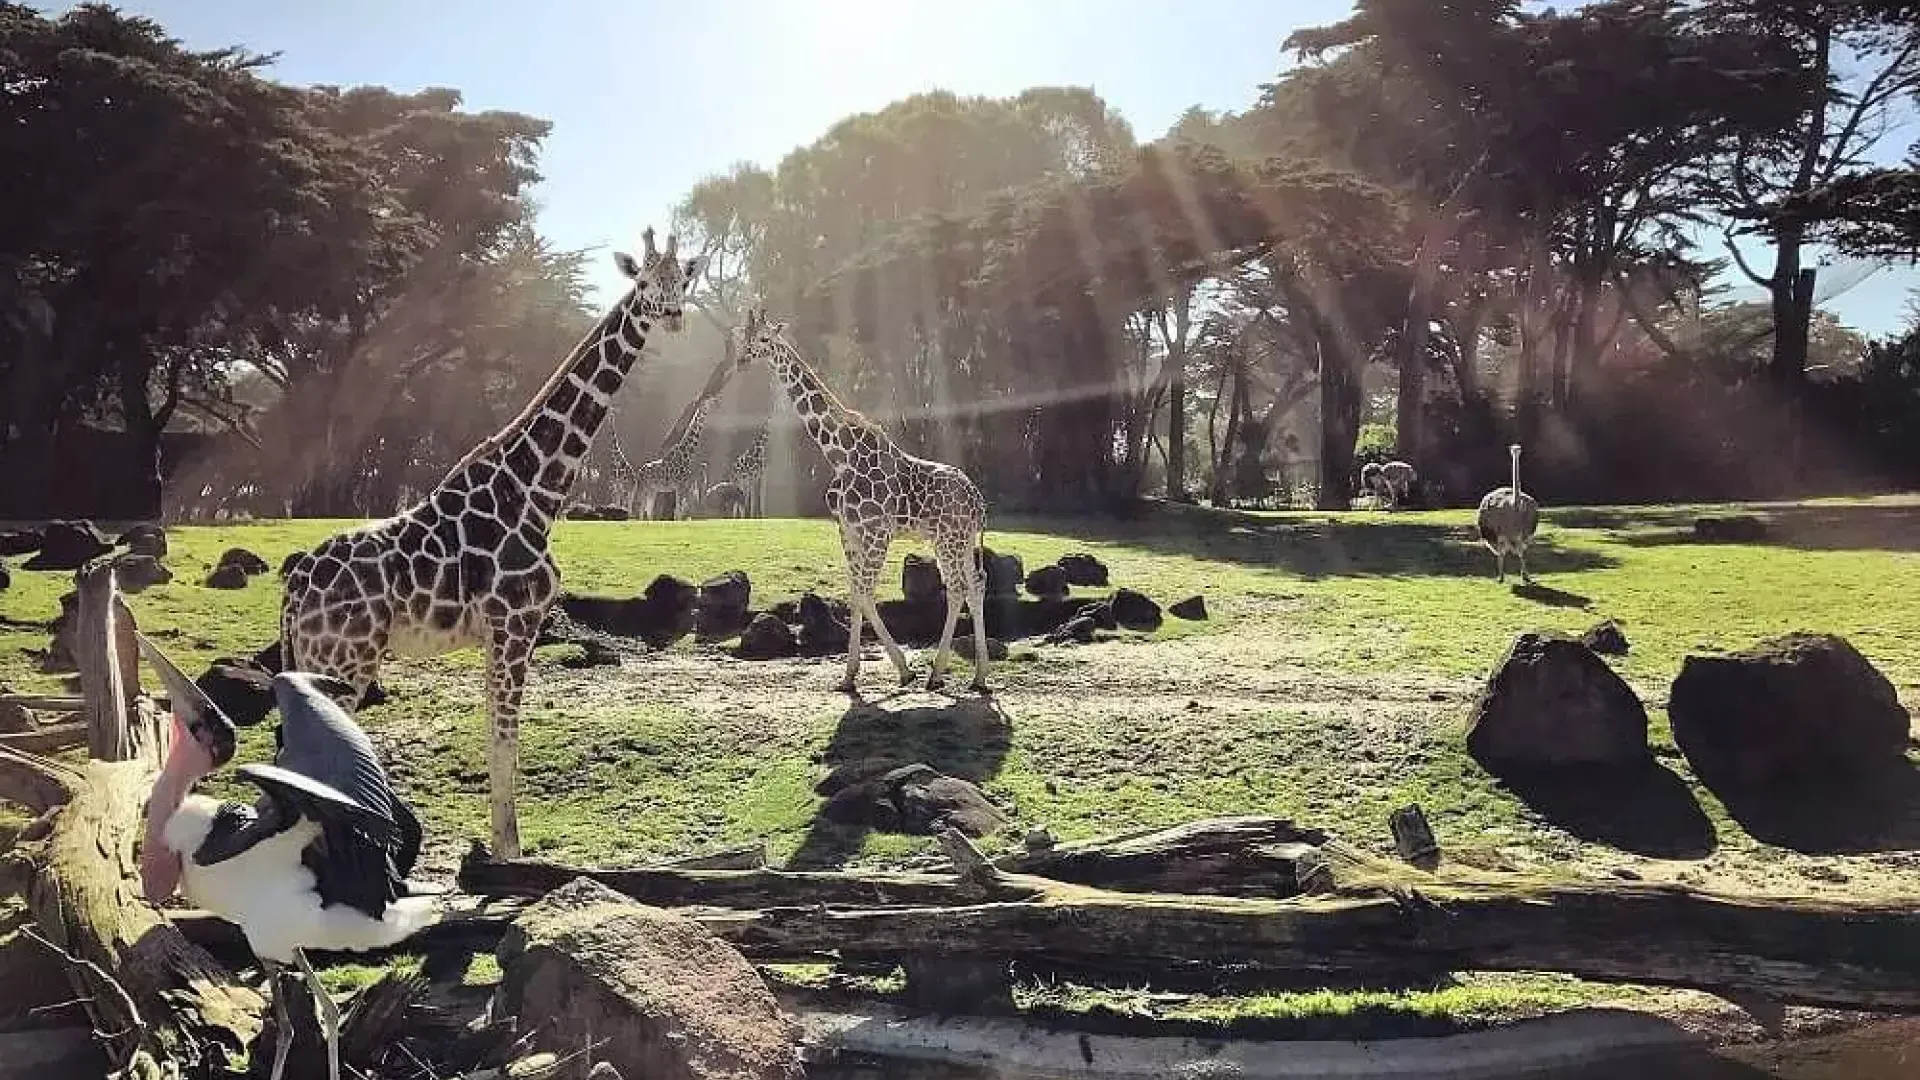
877, 491
677, 469
749, 472
469, 565
620, 472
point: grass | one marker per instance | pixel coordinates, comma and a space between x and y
1330, 685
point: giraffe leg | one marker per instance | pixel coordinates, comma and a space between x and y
508, 650
952, 560
866, 553
976, 581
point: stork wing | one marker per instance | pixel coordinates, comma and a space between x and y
237, 827
321, 802
321, 741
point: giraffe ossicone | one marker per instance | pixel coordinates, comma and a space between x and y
469, 565
876, 492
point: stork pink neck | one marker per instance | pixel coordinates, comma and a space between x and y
187, 762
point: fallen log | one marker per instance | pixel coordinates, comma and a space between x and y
46, 740
160, 1006
1360, 917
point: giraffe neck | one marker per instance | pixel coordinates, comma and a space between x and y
544, 446
822, 414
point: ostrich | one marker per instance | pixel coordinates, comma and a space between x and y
1508, 517
319, 862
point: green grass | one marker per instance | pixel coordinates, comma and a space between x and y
1330, 685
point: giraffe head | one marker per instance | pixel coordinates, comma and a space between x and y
661, 282
758, 338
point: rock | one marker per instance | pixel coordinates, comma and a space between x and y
1048, 583
1102, 615
1078, 630
1083, 570
1607, 639
920, 579
21, 541
1552, 703
1800, 704
1135, 611
249, 563
722, 610
656, 994
240, 688
824, 625
227, 576
592, 653
287, 564
60, 655
883, 793
963, 646
68, 545
767, 637
1003, 572
145, 539
787, 611
660, 616
137, 573
6, 576
1730, 529
1192, 609
915, 622
15, 719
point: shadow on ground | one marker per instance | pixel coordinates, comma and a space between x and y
1313, 546
1865, 527
1646, 809
1875, 810
1550, 596
967, 738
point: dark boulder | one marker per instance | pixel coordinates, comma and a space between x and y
6, 576
1003, 572
137, 573
661, 615
145, 539
824, 625
249, 563
590, 653
1607, 639
920, 579
1552, 703
16, 542
68, 545
767, 637
287, 564
787, 611
963, 646
1083, 570
1135, 611
240, 688
1796, 706
227, 576
915, 622
1192, 609
1077, 630
722, 611
885, 794
1730, 529
1048, 583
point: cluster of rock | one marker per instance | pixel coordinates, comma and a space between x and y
1794, 708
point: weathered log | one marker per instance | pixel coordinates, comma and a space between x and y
1231, 856
47, 740
1357, 916
63, 703
160, 1006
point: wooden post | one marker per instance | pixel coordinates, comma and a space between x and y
161, 1007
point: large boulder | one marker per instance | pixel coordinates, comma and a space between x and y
1048, 583
1135, 611
21, 541
767, 637
1607, 639
136, 573
660, 616
920, 579
824, 625
248, 563
287, 564
241, 688
1003, 572
145, 539
227, 576
1192, 609
655, 994
1796, 706
1551, 703
68, 545
1083, 570
6, 576
722, 611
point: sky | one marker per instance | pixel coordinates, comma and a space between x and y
646, 99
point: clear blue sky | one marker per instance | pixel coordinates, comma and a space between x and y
646, 98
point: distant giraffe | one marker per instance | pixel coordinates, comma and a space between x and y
877, 491
749, 473
677, 469
470, 565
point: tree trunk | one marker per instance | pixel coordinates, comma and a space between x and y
1177, 434
1341, 399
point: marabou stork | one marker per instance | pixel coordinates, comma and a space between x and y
318, 862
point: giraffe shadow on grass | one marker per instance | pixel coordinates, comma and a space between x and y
967, 738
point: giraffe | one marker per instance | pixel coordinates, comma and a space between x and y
749, 473
469, 565
620, 472
877, 491
677, 469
